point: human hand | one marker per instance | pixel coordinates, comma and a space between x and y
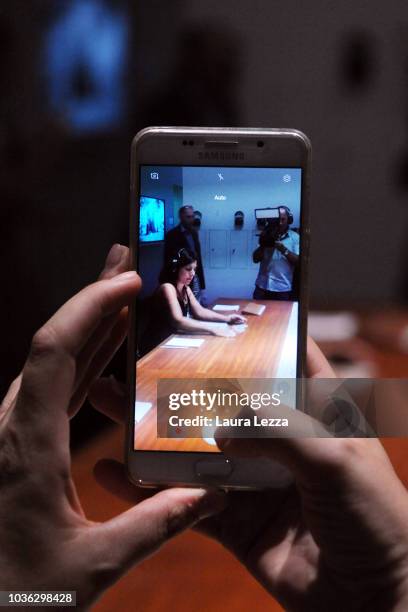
46, 542
235, 319
280, 246
337, 540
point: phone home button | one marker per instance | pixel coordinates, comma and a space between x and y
213, 469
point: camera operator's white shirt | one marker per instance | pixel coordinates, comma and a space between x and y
275, 271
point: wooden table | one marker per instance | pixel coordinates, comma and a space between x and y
255, 353
192, 572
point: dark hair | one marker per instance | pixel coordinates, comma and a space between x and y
184, 208
171, 268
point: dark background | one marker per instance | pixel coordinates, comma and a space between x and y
336, 70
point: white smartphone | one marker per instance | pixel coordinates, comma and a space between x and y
219, 232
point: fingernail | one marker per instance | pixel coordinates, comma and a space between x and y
114, 256
125, 277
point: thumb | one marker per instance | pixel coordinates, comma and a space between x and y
307, 458
309, 445
137, 533
307, 449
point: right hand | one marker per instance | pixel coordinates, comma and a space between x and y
339, 539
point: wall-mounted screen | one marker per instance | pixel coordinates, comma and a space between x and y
151, 223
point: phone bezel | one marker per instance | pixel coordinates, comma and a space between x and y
164, 146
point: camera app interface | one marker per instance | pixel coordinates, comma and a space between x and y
219, 258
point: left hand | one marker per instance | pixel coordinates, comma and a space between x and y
235, 319
46, 541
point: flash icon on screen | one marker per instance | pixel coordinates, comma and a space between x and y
220, 177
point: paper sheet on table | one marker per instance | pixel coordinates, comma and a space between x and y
179, 342
240, 328
230, 307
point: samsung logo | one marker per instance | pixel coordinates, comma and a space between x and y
221, 155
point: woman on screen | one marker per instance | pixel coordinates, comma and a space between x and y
176, 308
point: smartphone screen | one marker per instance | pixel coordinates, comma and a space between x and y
219, 255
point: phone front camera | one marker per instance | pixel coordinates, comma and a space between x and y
260, 143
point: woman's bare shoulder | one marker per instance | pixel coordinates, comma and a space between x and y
167, 289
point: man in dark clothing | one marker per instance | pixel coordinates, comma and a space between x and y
184, 236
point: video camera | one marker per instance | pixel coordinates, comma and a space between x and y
267, 220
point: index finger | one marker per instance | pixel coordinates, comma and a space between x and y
77, 319
49, 372
317, 365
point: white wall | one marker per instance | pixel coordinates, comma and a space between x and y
244, 189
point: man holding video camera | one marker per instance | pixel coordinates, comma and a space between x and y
277, 254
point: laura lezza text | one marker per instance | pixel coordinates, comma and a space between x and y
217, 421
